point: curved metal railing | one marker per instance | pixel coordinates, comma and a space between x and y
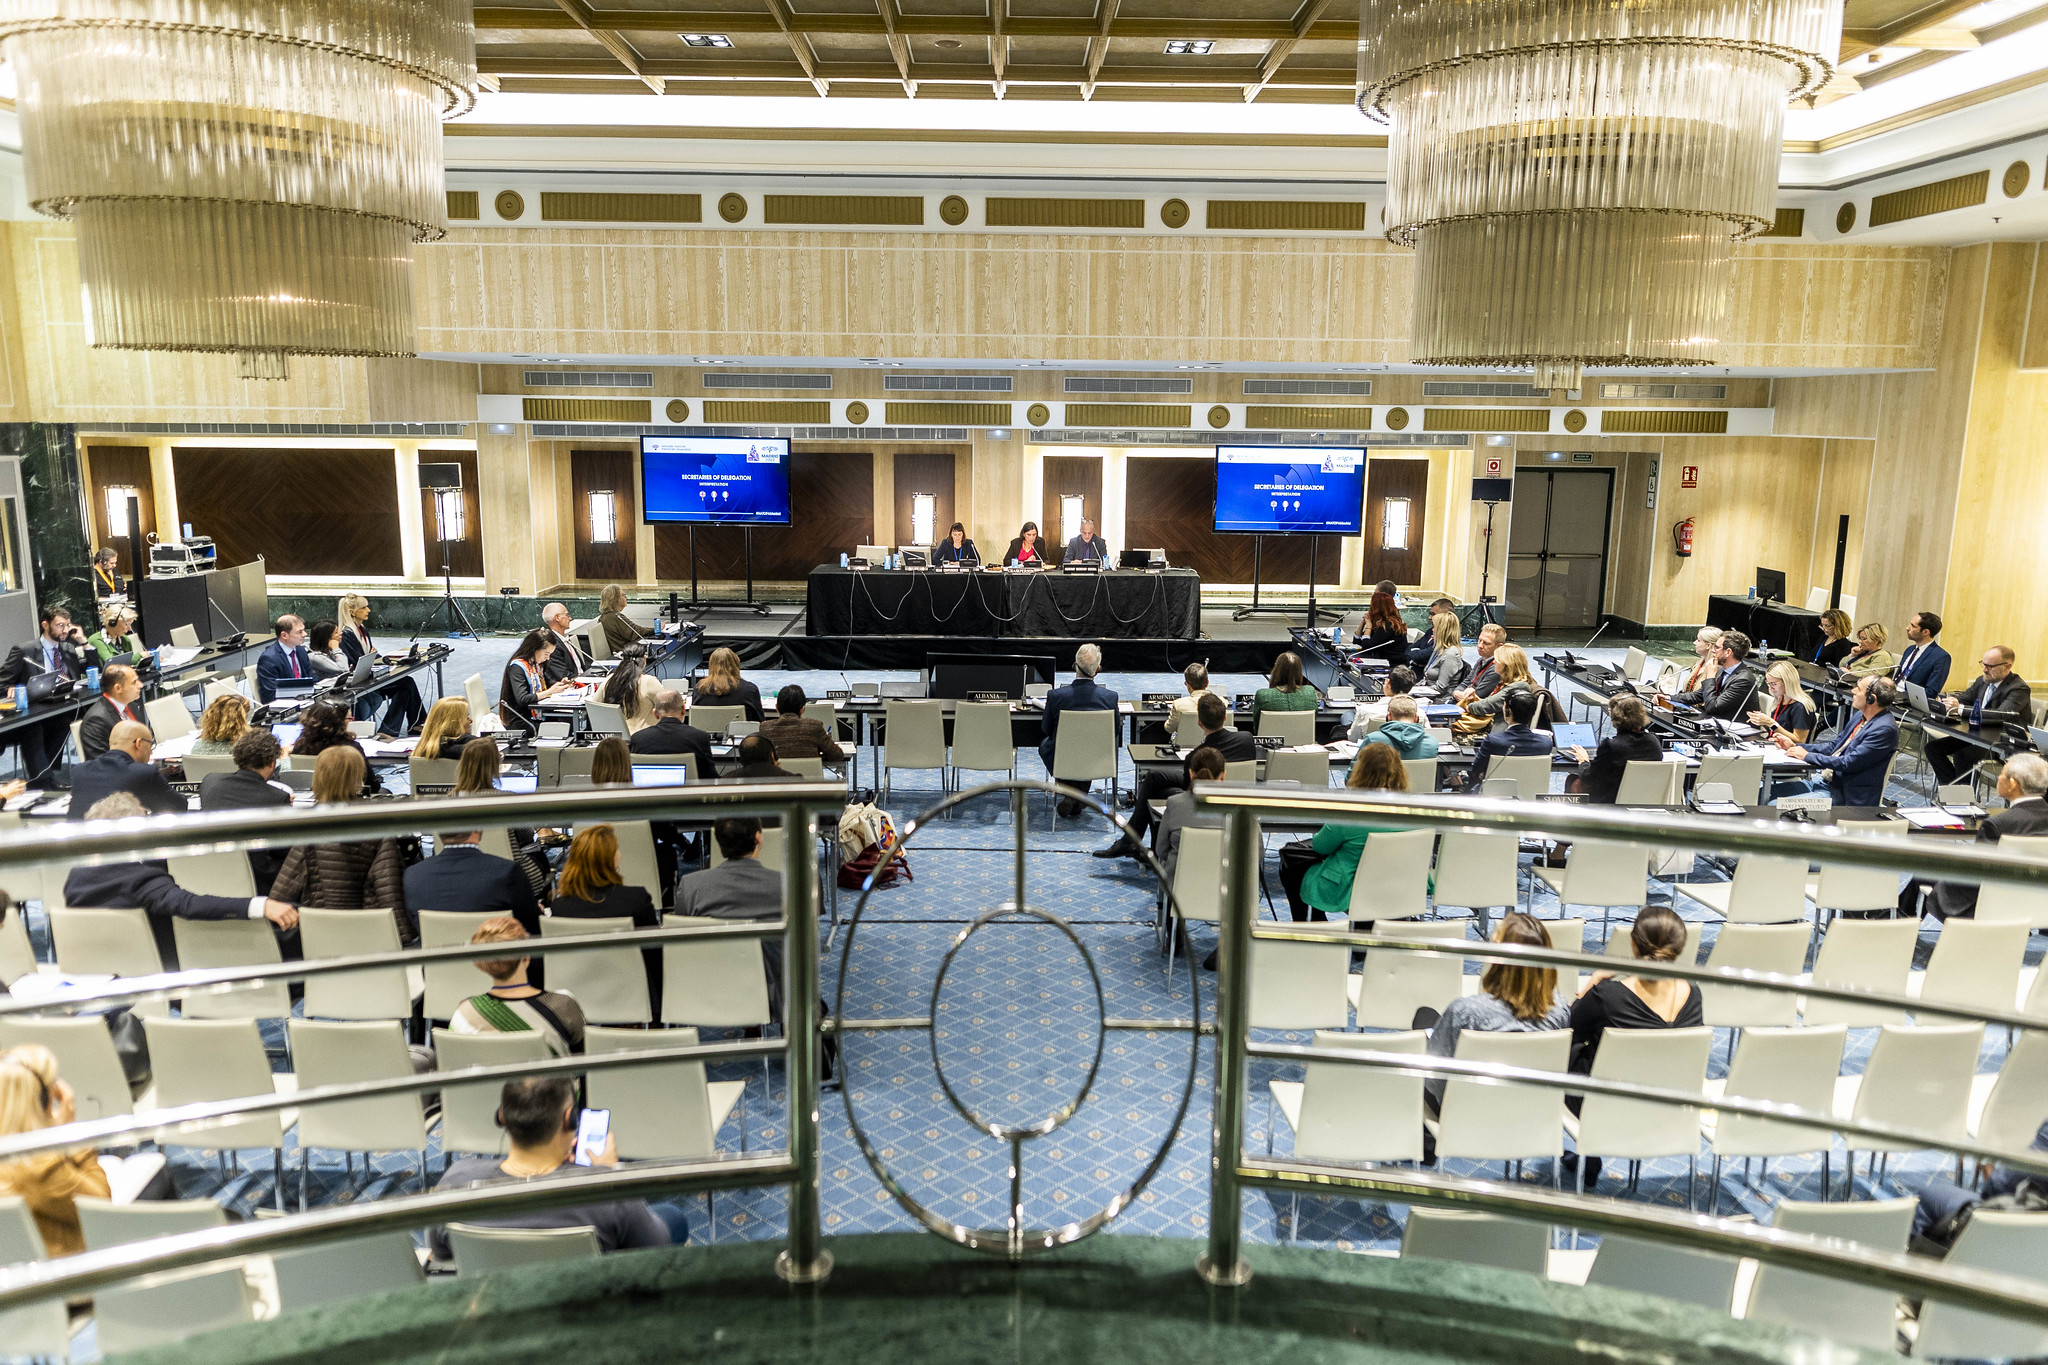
805, 1258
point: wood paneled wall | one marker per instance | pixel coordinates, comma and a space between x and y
593, 471
1170, 501
116, 467
921, 471
1070, 475
1395, 479
1754, 506
831, 510
465, 556
306, 511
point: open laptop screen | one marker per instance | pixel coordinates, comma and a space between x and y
520, 783
653, 775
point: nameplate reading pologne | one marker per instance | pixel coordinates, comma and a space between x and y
987, 694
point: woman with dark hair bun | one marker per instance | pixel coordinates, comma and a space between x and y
525, 682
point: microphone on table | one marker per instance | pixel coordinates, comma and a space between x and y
1598, 633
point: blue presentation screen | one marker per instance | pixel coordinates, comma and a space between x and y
1290, 490
715, 479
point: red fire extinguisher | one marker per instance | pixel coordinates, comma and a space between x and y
1682, 534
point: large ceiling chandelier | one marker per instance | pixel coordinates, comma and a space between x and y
246, 176
1573, 174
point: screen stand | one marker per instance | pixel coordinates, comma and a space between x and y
1315, 613
698, 605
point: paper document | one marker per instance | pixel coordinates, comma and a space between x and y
1929, 817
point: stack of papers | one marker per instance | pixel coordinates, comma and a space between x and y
1930, 817
1717, 808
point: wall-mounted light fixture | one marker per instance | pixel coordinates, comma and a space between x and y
1394, 517
604, 517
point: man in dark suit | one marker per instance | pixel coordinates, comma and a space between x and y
1924, 661
2021, 784
120, 700
1853, 763
462, 877
1082, 694
759, 761
1727, 694
59, 647
1219, 732
1513, 740
1485, 679
124, 767
2000, 696
568, 660
251, 787
149, 886
672, 734
1087, 545
285, 658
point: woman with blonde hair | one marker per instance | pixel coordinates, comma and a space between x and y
1835, 630
364, 875
1446, 668
1870, 656
1512, 664
33, 1097
116, 634
722, 685
446, 733
591, 886
225, 720
1792, 710
619, 629
406, 709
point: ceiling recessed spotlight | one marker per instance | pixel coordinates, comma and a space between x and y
707, 40
714, 360
945, 42
1188, 47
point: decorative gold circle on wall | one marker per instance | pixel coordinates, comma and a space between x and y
1845, 217
1219, 417
732, 207
1174, 213
953, 210
856, 412
1038, 414
678, 410
509, 205
1575, 421
1397, 419
2016, 176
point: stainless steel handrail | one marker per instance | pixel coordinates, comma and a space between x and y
1918, 1276
203, 1115
225, 980
1498, 1073
1943, 858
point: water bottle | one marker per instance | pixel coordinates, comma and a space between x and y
92, 678
842, 559
21, 696
1337, 637
1752, 592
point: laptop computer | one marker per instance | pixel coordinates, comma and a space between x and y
520, 783
44, 685
366, 668
660, 775
1567, 735
1133, 559
296, 687
904, 691
1916, 698
2040, 738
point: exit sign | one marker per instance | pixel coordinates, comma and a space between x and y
1582, 457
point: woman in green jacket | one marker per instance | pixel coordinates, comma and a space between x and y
1286, 690
1317, 873
117, 635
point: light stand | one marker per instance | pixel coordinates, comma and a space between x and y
1315, 613
447, 609
1486, 603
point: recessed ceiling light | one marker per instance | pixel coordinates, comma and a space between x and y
714, 360
945, 42
1188, 47
707, 40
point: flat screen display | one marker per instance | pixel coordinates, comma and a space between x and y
715, 480
1290, 490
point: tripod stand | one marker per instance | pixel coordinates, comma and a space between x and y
447, 609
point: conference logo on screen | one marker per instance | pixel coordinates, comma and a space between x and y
1343, 461
761, 455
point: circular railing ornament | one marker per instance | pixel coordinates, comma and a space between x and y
1015, 1239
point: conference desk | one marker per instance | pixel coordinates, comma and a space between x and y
1114, 604
1778, 625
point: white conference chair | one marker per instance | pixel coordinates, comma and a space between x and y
215, 943
604, 718
1422, 774
85, 1058
982, 740
2007, 1105
1529, 772
198, 767
479, 1250
1665, 1271
469, 1109
1478, 872
1308, 769
914, 737
1764, 890
95, 942
1243, 770
2004, 901
1197, 886
1600, 873
609, 984
1637, 1130
2002, 1241
1476, 1239
1632, 663
1298, 985
42, 1328
715, 984
1836, 1309
168, 1308
337, 1052
1776, 948
716, 720
1482, 1122
184, 637
1918, 1077
1293, 727
1973, 962
352, 1269
1742, 773
1350, 1114
429, 772
1394, 983
377, 993
169, 717
1845, 885
448, 984
1796, 1066
1657, 782
194, 1061
1084, 751
1392, 880
1866, 954
479, 699
665, 1110
17, 954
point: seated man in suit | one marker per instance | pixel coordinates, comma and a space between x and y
1514, 740
741, 887
120, 700
1854, 761
251, 786
1727, 690
1924, 662
672, 733
1485, 680
2000, 696
149, 886
2022, 782
124, 767
1087, 545
59, 647
795, 735
462, 877
757, 757
286, 657
1082, 694
1219, 733
568, 660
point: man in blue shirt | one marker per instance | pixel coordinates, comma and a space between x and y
1081, 694
1854, 762
1924, 661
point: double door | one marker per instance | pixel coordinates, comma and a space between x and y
1557, 548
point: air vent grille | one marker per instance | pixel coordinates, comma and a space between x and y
586, 409
843, 210
806, 412
462, 204
581, 207
588, 379
1321, 388
1300, 416
1064, 213
1130, 414
1788, 223
742, 433
1666, 421
1486, 419
946, 414
1285, 215
1197, 441
950, 383
1964, 191
1690, 393
722, 379
1090, 385
1462, 388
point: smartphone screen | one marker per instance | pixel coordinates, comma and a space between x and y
590, 1134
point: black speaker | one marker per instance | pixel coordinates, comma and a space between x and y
1483, 490
438, 476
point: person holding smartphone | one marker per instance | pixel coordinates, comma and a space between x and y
542, 1124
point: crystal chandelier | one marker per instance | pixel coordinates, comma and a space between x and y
1573, 174
246, 176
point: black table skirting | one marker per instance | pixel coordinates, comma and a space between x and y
1118, 604
1793, 629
